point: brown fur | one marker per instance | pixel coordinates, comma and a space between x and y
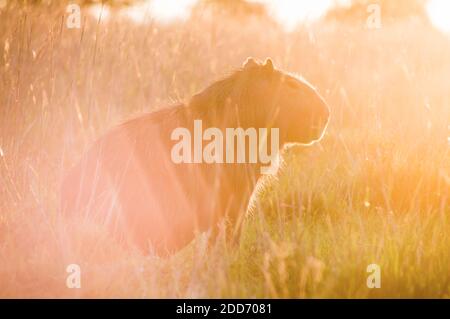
127, 178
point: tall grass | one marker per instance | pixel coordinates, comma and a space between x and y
375, 190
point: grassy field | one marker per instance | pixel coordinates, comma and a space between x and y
376, 189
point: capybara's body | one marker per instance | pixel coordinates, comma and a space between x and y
129, 180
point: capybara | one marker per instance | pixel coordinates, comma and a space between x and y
129, 179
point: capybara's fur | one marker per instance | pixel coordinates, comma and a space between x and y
128, 179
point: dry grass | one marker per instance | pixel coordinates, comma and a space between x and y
375, 190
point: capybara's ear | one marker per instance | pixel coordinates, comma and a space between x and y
268, 65
250, 63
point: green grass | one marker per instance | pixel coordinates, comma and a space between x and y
375, 190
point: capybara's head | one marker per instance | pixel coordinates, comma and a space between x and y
286, 101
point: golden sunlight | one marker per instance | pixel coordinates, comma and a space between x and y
264, 149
